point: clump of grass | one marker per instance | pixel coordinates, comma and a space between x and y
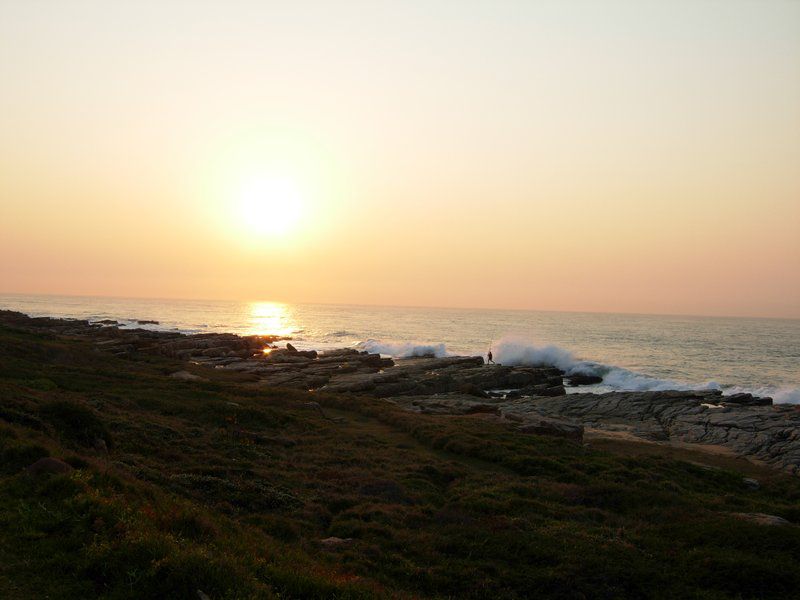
15, 455
42, 383
247, 494
75, 423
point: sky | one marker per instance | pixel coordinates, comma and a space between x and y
620, 156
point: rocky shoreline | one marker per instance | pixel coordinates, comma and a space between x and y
531, 399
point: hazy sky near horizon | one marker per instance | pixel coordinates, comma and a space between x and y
624, 156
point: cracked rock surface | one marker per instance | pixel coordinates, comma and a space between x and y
747, 425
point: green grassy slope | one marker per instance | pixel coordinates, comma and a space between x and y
229, 489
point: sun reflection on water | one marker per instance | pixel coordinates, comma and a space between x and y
270, 318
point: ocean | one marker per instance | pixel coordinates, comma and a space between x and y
630, 352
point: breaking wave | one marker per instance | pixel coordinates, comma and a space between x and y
519, 352
403, 349
514, 351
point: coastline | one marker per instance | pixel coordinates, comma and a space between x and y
528, 399
629, 352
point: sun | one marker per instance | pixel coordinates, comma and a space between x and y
270, 205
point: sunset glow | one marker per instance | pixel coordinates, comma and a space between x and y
269, 205
270, 318
613, 156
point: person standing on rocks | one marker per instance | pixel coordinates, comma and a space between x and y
489, 360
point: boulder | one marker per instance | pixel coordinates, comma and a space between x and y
48, 465
545, 426
446, 404
746, 400
100, 445
472, 390
582, 379
215, 352
335, 542
186, 376
543, 390
763, 519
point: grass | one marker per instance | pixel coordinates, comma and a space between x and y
222, 487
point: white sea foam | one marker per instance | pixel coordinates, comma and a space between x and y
403, 349
519, 352
630, 381
516, 351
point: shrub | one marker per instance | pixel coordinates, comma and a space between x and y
75, 423
15, 458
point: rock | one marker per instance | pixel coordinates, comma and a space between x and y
582, 379
101, 446
545, 426
472, 390
354, 383
336, 542
202, 595
746, 400
290, 347
542, 390
446, 404
751, 484
375, 360
765, 432
286, 358
763, 519
146, 322
215, 352
316, 406
428, 364
186, 376
339, 353
48, 465
654, 433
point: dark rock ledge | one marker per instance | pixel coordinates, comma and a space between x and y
531, 399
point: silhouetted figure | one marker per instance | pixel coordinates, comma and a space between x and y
489, 357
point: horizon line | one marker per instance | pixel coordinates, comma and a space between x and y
409, 306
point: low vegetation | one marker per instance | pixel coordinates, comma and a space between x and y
244, 492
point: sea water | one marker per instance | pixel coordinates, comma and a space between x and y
630, 352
